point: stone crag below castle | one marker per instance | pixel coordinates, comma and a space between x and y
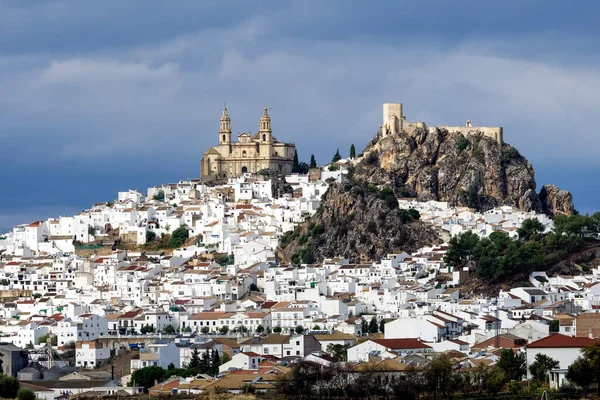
466, 166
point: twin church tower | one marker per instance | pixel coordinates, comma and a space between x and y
250, 153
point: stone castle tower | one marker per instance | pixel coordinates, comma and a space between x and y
394, 122
249, 154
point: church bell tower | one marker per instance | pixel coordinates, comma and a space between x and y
265, 127
225, 128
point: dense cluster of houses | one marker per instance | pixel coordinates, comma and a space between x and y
158, 307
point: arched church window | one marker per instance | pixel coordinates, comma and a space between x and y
264, 138
224, 138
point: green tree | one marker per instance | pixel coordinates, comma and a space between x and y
215, 362
339, 351
205, 330
295, 163
178, 237
224, 330
44, 339
169, 330
194, 359
277, 329
530, 229
440, 380
513, 365
159, 196
313, 161
225, 358
204, 362
336, 157
147, 377
352, 151
299, 330
588, 363
150, 236
147, 329
382, 326
9, 387
554, 326
373, 326
26, 394
461, 249
260, 329
581, 373
541, 366
364, 326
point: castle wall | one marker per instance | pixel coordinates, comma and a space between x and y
495, 133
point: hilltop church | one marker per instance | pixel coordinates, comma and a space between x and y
250, 153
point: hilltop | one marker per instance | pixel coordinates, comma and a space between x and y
358, 221
466, 170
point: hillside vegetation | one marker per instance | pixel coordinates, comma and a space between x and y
500, 258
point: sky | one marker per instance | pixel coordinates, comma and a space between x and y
98, 97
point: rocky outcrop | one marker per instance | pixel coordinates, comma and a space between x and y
357, 221
556, 201
473, 170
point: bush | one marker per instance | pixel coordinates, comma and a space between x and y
9, 387
462, 143
150, 236
509, 155
25, 394
179, 237
372, 158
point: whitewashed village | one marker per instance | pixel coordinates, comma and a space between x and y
155, 308
87, 301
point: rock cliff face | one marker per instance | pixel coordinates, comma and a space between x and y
556, 201
356, 221
474, 170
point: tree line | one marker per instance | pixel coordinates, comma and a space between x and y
499, 256
206, 363
441, 378
299, 167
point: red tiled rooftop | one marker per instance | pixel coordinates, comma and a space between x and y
558, 340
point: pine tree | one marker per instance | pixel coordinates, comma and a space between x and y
313, 161
295, 163
373, 326
204, 362
336, 156
364, 326
382, 326
215, 362
352, 151
194, 359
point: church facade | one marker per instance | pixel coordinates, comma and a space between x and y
250, 153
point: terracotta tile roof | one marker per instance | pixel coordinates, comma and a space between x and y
558, 340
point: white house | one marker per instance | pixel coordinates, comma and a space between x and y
361, 351
564, 349
244, 360
90, 354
